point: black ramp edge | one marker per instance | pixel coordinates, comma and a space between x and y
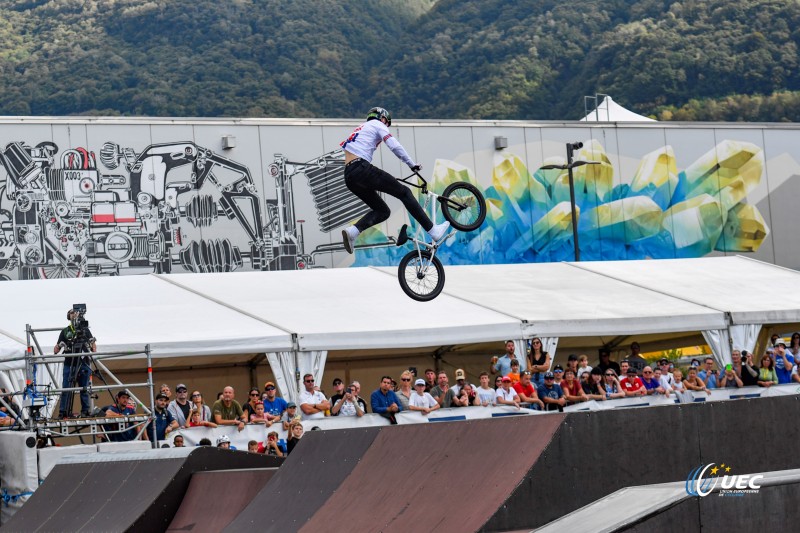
596, 453
129, 491
322, 460
214, 499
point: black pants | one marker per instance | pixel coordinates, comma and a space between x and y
366, 180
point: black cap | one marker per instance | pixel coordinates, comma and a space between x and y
123, 393
162, 395
631, 370
337, 381
663, 361
572, 357
558, 367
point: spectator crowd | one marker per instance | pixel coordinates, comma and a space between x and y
538, 387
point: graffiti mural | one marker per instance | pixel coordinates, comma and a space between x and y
661, 213
182, 207
62, 216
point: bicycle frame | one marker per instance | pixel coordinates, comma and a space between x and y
431, 199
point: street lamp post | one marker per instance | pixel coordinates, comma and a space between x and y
571, 147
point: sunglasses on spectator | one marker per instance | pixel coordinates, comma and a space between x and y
254, 393
405, 379
309, 381
609, 375
647, 372
196, 395
270, 388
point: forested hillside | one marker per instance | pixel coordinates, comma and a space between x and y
522, 59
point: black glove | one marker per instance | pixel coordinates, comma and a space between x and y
416, 168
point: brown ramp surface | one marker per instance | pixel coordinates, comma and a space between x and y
311, 473
450, 476
123, 491
215, 498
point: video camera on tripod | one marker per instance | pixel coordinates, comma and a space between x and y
78, 338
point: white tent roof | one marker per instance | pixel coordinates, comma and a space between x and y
563, 299
364, 308
610, 111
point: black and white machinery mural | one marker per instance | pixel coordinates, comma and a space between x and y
76, 213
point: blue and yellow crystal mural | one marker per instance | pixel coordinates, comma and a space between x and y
661, 213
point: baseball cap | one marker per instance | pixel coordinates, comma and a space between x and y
123, 393
549, 375
663, 361
460, 374
162, 395
337, 381
290, 405
631, 370
268, 384
419, 382
558, 368
779, 341
180, 386
506, 379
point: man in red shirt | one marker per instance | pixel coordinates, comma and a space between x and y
632, 385
573, 391
527, 392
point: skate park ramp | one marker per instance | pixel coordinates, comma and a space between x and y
668, 507
511, 474
314, 470
215, 498
398, 478
595, 454
123, 491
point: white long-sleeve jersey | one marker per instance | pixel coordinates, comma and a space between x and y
366, 138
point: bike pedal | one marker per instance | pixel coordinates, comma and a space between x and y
403, 237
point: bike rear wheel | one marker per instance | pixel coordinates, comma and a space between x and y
463, 206
421, 276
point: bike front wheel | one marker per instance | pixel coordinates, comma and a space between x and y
463, 206
421, 275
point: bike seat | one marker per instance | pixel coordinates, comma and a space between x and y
403, 237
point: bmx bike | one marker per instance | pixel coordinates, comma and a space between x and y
421, 273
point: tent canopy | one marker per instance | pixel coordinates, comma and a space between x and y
610, 111
202, 315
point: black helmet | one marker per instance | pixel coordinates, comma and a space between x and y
379, 113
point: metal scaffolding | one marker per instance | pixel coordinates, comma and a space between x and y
39, 399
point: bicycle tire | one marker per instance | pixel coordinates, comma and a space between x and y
463, 206
430, 284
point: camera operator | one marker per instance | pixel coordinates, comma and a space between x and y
75, 338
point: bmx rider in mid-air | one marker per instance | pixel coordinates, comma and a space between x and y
366, 180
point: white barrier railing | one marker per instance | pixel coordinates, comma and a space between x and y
258, 432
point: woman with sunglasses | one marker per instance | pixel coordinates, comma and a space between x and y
611, 385
538, 361
199, 406
253, 398
794, 345
404, 391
